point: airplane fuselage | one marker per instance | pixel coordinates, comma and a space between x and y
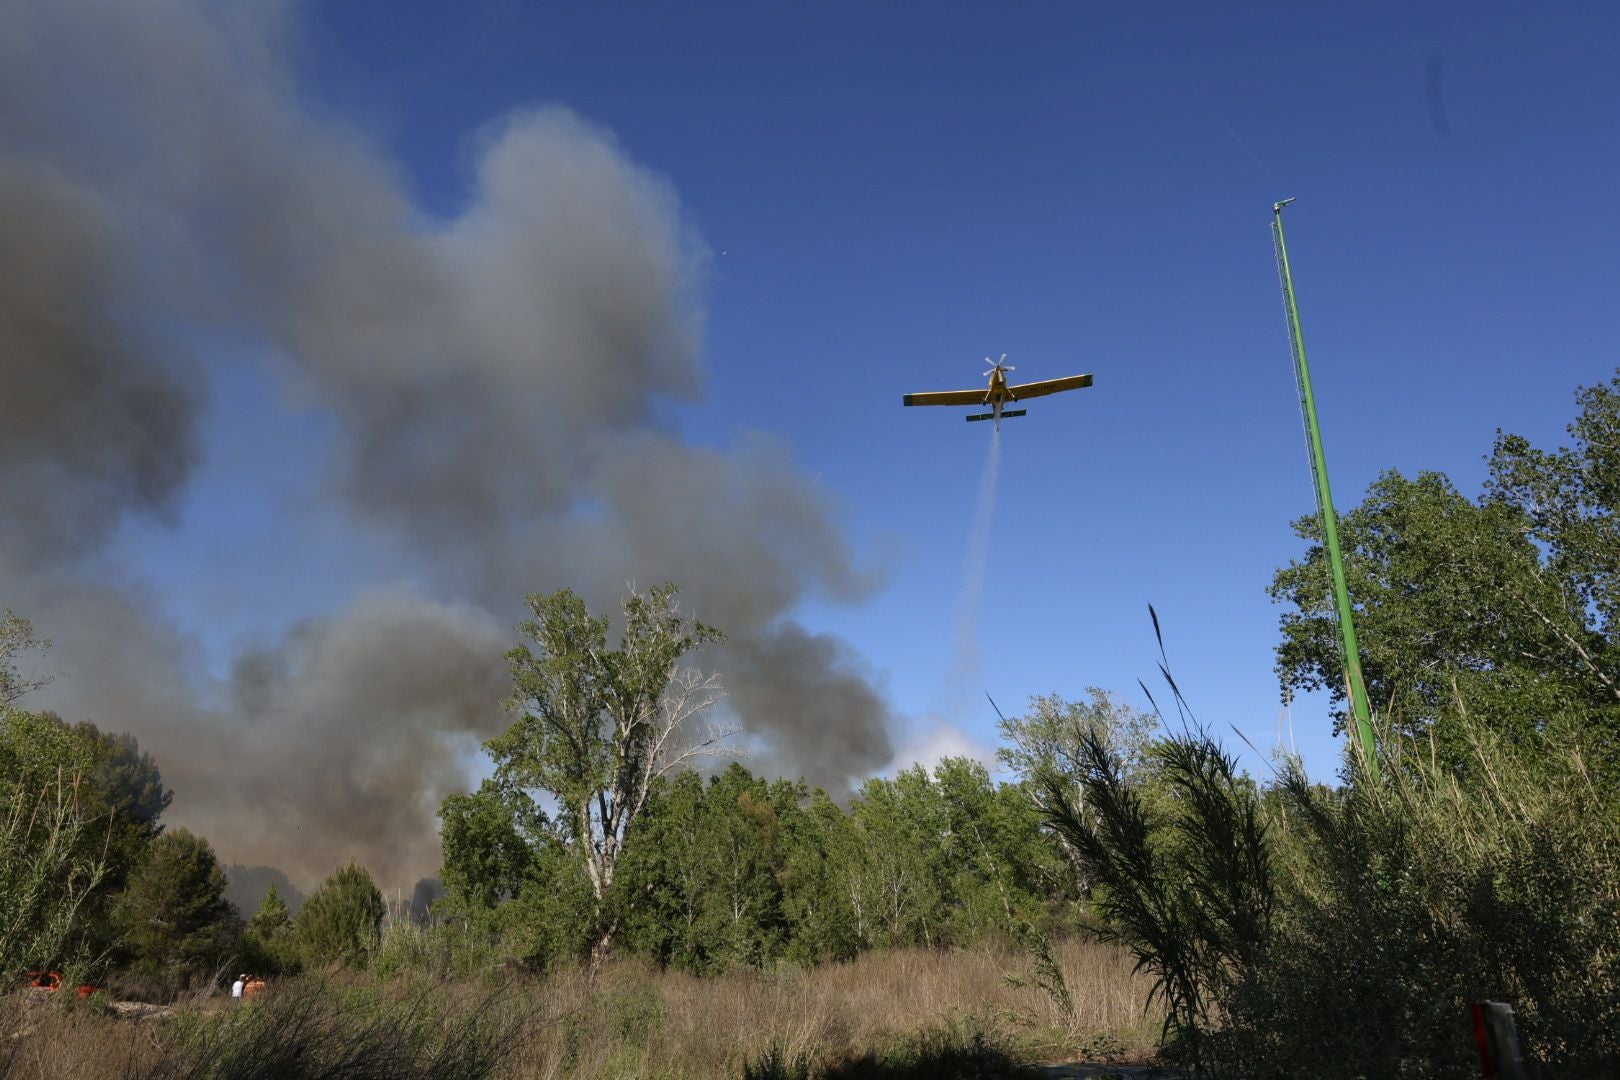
998, 392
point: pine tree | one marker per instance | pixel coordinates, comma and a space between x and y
174, 921
270, 941
342, 921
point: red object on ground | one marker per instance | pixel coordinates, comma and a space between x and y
51, 982
253, 986
1483, 1040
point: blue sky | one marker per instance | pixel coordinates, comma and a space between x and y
890, 191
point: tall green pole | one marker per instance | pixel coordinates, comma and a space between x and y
1355, 686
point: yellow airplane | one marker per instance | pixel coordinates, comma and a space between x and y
998, 394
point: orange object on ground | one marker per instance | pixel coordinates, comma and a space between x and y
45, 980
252, 986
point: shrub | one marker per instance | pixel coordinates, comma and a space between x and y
45, 877
306, 1030
1342, 933
1443, 886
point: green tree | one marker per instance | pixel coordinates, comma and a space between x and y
598, 725
174, 922
1455, 612
817, 900
1047, 737
1045, 748
1569, 497
739, 854
269, 940
898, 880
703, 879
488, 838
342, 921
664, 873
119, 781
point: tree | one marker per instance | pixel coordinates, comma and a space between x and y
899, 877
488, 848
1047, 737
269, 938
819, 853
1455, 610
1506, 607
120, 781
342, 921
597, 725
1569, 499
738, 855
174, 921
17, 637
1046, 749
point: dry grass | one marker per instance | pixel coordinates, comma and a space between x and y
635, 1021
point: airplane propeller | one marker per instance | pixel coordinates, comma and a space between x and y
999, 365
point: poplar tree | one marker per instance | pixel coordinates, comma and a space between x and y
597, 725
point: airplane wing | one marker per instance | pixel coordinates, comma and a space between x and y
947, 397
1049, 386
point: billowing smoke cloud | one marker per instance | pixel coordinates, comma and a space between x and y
499, 382
92, 421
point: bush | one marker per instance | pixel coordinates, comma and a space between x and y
306, 1030
1444, 886
938, 1054
1342, 933
45, 877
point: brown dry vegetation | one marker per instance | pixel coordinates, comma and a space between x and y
635, 1021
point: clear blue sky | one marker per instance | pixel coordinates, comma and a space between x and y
893, 190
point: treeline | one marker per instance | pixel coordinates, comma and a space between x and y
709, 871
595, 834
737, 871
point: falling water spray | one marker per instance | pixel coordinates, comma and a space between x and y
965, 669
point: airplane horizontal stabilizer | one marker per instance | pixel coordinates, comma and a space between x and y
1008, 415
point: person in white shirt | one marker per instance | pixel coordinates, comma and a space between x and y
236, 987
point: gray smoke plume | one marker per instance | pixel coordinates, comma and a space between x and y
500, 381
92, 420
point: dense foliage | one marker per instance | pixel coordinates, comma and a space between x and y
1501, 608
341, 922
597, 727
737, 871
172, 920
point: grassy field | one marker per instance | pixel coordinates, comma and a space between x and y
883, 1014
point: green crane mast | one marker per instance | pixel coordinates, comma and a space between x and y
1355, 686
